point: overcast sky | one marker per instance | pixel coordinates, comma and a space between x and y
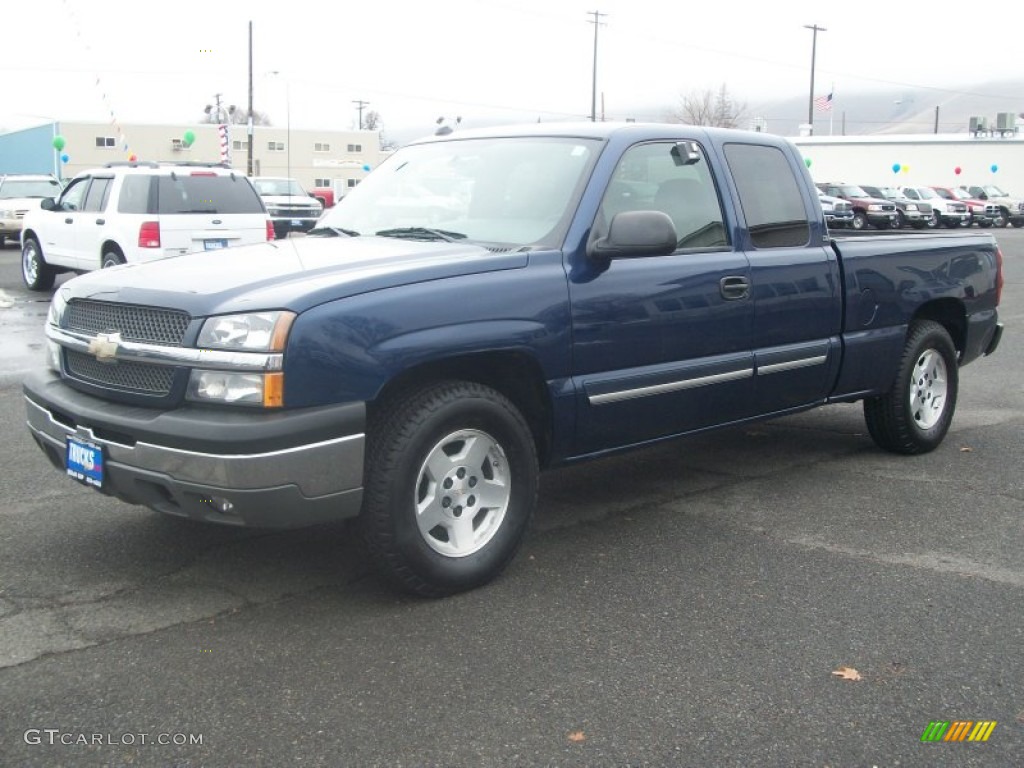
485, 60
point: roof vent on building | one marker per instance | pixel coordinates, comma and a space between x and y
1006, 123
979, 125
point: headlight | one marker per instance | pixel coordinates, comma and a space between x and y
7, 214
251, 332
911, 207
53, 317
255, 389
874, 207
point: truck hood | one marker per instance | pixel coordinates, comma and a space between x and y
294, 274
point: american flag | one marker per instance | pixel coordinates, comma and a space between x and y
823, 103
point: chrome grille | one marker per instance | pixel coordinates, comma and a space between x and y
144, 324
138, 377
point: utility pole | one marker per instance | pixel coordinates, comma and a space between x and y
360, 105
593, 82
814, 50
936, 118
248, 167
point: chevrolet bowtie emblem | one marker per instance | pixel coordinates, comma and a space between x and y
104, 346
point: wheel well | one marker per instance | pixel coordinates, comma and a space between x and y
515, 375
110, 245
950, 314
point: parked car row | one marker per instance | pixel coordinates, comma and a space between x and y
895, 207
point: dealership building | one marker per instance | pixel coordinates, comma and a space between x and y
317, 158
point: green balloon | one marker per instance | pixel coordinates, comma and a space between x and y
58, 143
189, 137
807, 162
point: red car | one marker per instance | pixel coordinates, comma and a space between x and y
985, 214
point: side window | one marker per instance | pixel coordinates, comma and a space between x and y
74, 195
135, 194
656, 177
99, 191
769, 195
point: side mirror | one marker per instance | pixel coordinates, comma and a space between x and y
48, 204
636, 233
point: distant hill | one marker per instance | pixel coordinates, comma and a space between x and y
895, 110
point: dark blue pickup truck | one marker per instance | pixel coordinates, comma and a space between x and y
487, 304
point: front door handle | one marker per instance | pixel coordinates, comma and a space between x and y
69, 221
101, 221
734, 287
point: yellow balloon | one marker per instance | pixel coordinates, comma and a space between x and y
905, 168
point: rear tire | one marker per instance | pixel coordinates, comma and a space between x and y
37, 274
111, 258
914, 416
451, 485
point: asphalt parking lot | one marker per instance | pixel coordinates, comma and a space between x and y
686, 605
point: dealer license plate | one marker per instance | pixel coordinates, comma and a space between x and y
84, 462
215, 245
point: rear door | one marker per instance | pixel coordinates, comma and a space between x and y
206, 210
661, 344
794, 276
92, 228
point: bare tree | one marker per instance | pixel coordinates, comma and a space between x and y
236, 116
712, 108
372, 121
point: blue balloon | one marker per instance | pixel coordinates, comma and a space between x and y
994, 168
366, 168
64, 158
895, 167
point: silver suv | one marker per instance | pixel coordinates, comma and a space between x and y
18, 193
136, 212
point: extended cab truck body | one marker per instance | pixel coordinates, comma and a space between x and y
590, 288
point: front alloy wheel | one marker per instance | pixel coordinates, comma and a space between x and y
37, 274
451, 483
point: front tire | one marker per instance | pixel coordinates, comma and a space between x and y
860, 221
451, 485
37, 274
914, 416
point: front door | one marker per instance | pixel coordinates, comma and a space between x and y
662, 344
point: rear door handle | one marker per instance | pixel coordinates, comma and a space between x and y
69, 221
101, 221
734, 287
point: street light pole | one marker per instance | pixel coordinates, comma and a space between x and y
810, 98
593, 79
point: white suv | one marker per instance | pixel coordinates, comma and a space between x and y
134, 212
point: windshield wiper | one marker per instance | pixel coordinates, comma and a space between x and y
422, 233
333, 231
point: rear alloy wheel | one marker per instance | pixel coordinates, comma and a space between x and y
914, 416
451, 484
37, 274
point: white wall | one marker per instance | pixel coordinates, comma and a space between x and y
928, 160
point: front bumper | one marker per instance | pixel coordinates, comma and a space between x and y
268, 470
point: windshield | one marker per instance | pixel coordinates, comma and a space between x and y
994, 191
507, 192
267, 187
851, 191
29, 188
926, 193
890, 193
